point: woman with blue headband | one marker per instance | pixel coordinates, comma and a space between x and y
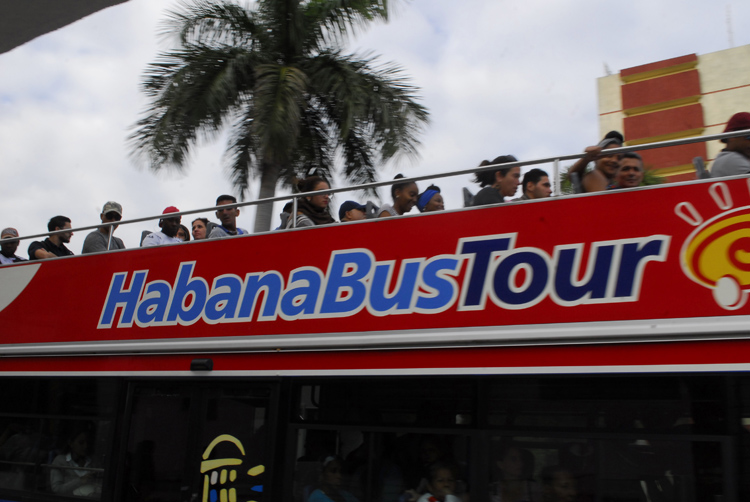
430, 200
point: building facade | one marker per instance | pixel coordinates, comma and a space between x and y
676, 98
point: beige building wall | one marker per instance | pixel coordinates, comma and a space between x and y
725, 90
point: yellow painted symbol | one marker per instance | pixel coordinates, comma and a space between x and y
216, 475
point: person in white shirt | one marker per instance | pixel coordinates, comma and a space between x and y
8, 249
168, 233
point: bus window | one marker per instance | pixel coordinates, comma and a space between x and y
198, 442
56, 435
363, 466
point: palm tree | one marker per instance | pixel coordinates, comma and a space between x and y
275, 74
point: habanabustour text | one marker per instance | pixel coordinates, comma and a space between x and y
511, 277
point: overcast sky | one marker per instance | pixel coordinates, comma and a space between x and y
498, 77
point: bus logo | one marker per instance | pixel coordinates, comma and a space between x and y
717, 253
219, 474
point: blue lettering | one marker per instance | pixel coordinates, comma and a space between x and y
381, 301
444, 290
126, 299
635, 255
153, 307
270, 284
301, 296
571, 290
187, 287
225, 296
346, 288
482, 249
531, 292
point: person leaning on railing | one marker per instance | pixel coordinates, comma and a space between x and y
735, 158
54, 245
100, 240
603, 176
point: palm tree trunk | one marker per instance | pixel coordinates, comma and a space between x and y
268, 180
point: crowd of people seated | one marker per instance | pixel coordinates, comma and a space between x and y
498, 184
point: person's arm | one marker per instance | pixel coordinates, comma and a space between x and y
37, 251
592, 152
384, 214
595, 181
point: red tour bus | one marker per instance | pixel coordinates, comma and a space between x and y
585, 348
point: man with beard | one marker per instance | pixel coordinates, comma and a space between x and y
54, 245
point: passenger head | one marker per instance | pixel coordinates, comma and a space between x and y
60, 223
332, 472
513, 462
200, 228
112, 211
170, 225
738, 122
404, 195
442, 480
505, 179
352, 211
558, 484
183, 233
9, 248
630, 172
227, 216
536, 184
79, 441
314, 184
430, 200
608, 163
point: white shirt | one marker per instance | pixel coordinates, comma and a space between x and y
158, 239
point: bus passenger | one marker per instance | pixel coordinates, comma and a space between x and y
168, 233
329, 486
441, 484
498, 183
603, 175
200, 228
735, 158
228, 218
8, 249
630, 172
535, 185
558, 484
430, 200
183, 233
70, 474
312, 210
54, 245
404, 198
99, 240
352, 211
514, 468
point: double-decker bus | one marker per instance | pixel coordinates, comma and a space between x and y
603, 336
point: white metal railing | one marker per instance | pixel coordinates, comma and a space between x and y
545, 160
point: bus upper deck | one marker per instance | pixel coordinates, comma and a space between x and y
600, 335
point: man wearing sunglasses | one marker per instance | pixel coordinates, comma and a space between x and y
735, 158
99, 240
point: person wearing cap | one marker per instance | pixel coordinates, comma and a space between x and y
735, 158
602, 177
168, 233
498, 183
99, 240
535, 185
228, 218
8, 249
54, 245
430, 200
352, 211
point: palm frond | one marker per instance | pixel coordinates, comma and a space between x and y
331, 22
242, 151
209, 23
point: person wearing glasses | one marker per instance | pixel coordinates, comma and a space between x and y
99, 240
735, 158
